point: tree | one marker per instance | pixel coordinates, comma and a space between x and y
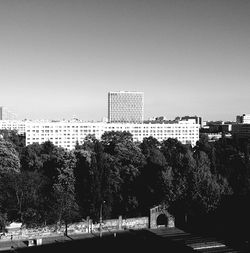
205, 146
155, 180
127, 160
179, 158
26, 188
88, 143
9, 169
207, 189
148, 144
16, 139
112, 138
97, 180
31, 157
9, 160
232, 164
64, 188
3, 219
82, 180
55, 166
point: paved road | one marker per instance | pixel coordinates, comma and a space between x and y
6, 245
161, 239
197, 242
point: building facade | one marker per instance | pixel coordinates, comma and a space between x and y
241, 131
18, 125
125, 107
198, 120
67, 134
244, 119
6, 114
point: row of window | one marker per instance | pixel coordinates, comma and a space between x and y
132, 131
114, 127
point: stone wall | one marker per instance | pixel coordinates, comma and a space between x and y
75, 228
156, 211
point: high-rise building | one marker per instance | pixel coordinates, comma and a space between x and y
125, 107
5, 114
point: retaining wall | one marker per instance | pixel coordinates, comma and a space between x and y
75, 228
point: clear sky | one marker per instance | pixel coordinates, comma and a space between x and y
60, 58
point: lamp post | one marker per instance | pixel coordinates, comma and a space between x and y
101, 218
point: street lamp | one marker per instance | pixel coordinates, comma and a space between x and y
101, 218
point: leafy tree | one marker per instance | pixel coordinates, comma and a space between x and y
9, 168
127, 160
58, 164
8, 202
3, 219
82, 181
155, 181
31, 157
27, 188
112, 138
9, 160
106, 187
232, 164
88, 143
179, 158
204, 145
12, 136
148, 144
64, 188
95, 180
54, 166
207, 189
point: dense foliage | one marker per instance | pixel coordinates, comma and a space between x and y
45, 184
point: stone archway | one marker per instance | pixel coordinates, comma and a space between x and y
162, 220
159, 216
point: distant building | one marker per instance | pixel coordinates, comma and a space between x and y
241, 131
244, 119
239, 119
125, 107
66, 134
160, 120
163, 120
217, 129
17, 125
198, 120
6, 114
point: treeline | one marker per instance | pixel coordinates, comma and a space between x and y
45, 184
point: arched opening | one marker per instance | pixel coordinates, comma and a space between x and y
162, 220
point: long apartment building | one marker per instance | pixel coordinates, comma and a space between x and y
67, 134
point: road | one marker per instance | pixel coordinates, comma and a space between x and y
167, 239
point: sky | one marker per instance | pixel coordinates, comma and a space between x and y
60, 58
